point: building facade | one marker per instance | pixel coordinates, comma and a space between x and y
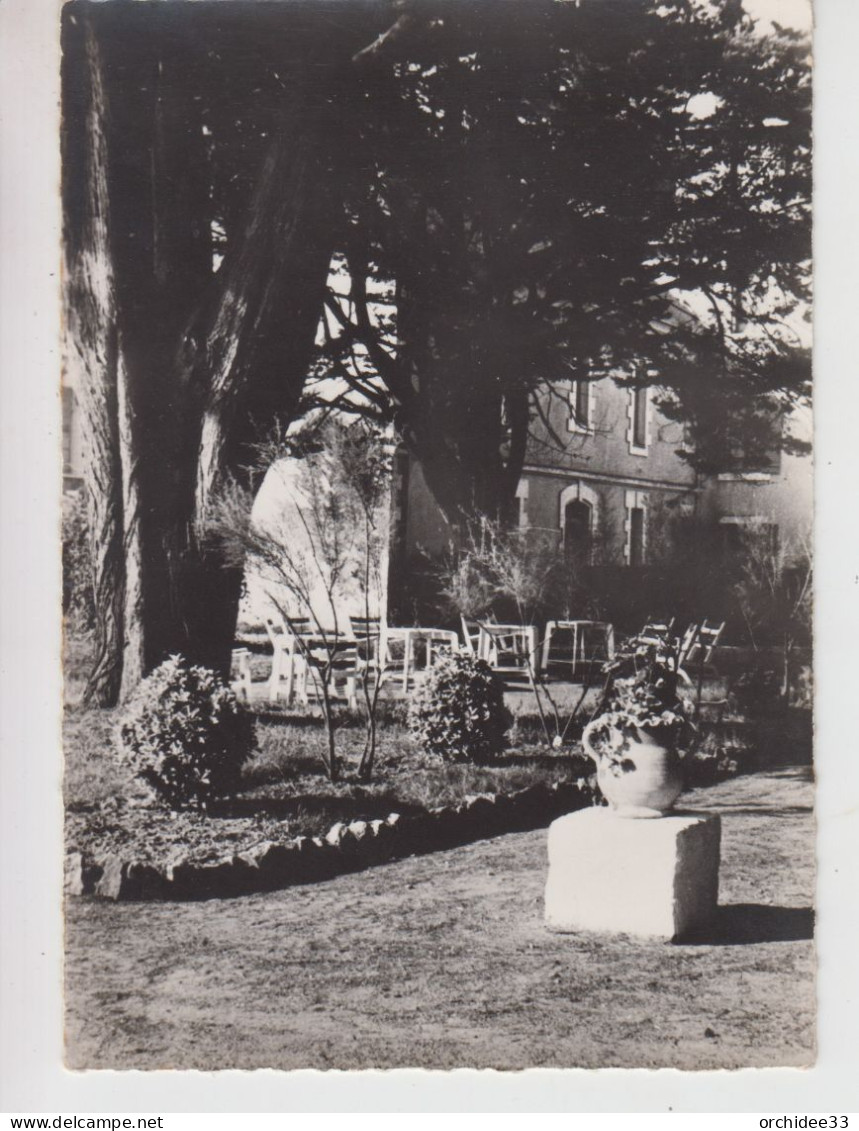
604, 474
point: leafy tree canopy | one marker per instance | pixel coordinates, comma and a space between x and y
514, 194
613, 186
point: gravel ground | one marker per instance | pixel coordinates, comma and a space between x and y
442, 961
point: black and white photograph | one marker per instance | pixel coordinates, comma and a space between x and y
437, 534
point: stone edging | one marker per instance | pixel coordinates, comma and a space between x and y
344, 848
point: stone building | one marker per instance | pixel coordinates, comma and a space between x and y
605, 475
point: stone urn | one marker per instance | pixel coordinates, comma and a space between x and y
638, 771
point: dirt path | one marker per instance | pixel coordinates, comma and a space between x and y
442, 961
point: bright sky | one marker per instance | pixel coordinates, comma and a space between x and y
789, 13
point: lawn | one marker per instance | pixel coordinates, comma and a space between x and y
434, 961
285, 792
443, 961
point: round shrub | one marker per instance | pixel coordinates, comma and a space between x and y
185, 735
458, 711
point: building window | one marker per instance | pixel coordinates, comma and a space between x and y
581, 407
636, 536
635, 528
739, 535
640, 419
578, 526
764, 465
578, 518
520, 506
770, 463
638, 430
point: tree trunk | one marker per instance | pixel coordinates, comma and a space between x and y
164, 266
238, 363
180, 371
134, 650
469, 439
246, 355
461, 410
92, 342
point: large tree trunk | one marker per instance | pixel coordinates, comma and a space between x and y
92, 341
461, 403
245, 359
180, 370
464, 417
163, 265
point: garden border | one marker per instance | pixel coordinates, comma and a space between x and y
350, 847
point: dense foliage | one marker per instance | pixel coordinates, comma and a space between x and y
601, 186
458, 711
185, 735
641, 696
516, 195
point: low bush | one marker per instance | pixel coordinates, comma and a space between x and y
756, 691
459, 712
715, 758
185, 735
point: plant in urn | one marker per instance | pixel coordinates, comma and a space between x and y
635, 740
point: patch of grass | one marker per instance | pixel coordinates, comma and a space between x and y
93, 771
443, 962
77, 661
285, 792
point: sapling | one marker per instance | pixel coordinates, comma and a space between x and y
323, 548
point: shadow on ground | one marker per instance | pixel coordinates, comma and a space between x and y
800, 772
764, 810
738, 924
332, 807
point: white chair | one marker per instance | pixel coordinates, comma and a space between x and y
242, 679
509, 649
696, 650
409, 653
367, 632
656, 632
575, 648
470, 635
287, 662
439, 642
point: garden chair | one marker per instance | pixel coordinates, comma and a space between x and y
241, 680
509, 649
425, 646
697, 648
346, 668
287, 662
470, 635
367, 631
656, 632
573, 649
688, 639
409, 653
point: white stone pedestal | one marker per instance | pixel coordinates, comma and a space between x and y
658, 878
